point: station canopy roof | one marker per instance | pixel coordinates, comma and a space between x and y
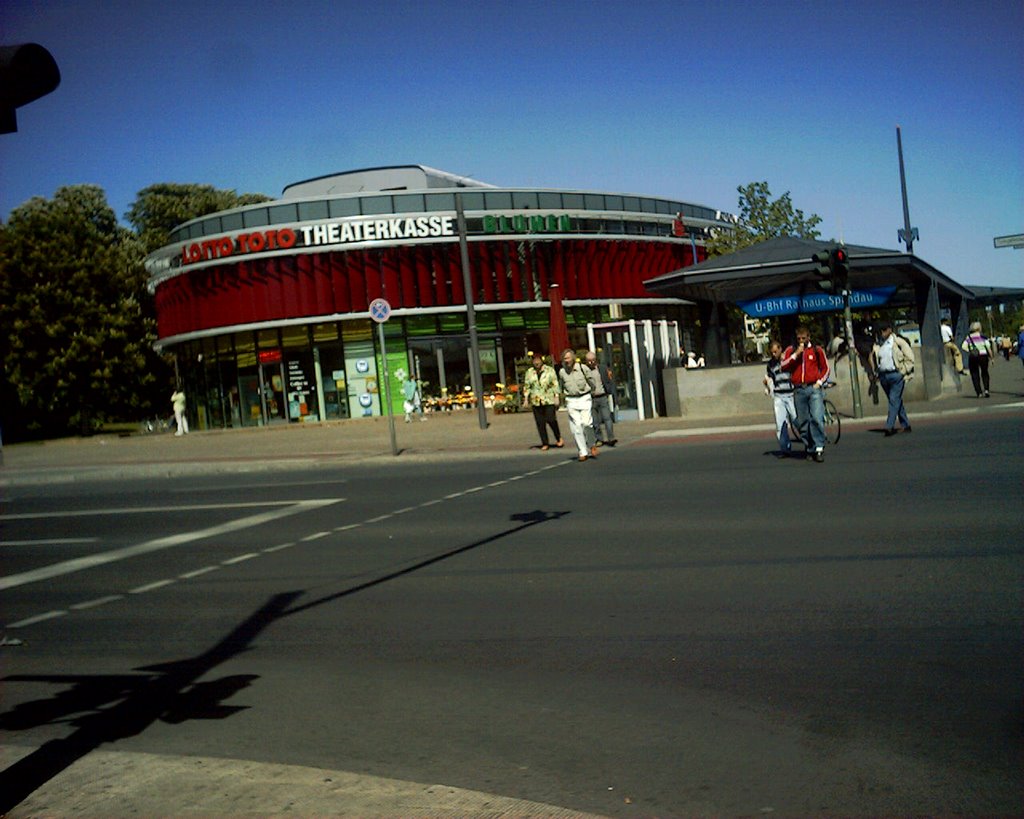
783, 267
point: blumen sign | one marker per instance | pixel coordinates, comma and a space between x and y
815, 302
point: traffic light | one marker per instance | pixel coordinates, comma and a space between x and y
839, 261
822, 261
27, 72
832, 267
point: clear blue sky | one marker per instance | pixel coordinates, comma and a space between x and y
679, 99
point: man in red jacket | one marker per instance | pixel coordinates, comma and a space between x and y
808, 368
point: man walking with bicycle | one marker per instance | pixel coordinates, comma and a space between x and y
809, 371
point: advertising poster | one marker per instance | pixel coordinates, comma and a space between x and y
361, 372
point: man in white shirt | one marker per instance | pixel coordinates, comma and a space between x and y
952, 348
893, 360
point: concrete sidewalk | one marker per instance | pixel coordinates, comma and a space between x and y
449, 436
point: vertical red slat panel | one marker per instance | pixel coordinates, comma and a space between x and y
482, 272
339, 282
407, 275
438, 270
454, 273
355, 262
498, 264
392, 289
424, 285
541, 268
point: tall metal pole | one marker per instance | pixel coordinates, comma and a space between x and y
476, 379
851, 352
387, 387
907, 234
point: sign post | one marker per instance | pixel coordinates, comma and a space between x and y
380, 311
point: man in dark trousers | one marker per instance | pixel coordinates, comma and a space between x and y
603, 390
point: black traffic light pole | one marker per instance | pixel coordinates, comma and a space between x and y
833, 269
843, 264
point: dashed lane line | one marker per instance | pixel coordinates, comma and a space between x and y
162, 543
159, 584
90, 561
231, 561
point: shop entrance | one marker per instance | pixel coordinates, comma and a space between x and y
636, 351
271, 386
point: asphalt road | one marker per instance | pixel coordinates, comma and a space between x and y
681, 627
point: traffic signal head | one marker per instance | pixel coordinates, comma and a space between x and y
821, 261
839, 261
27, 72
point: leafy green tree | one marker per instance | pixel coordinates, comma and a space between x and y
75, 337
762, 218
160, 208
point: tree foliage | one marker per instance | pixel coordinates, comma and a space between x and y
76, 337
762, 218
158, 209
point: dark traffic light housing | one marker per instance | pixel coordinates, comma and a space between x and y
832, 267
27, 72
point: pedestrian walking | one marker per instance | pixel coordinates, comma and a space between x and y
950, 346
893, 361
178, 404
808, 369
540, 392
603, 389
779, 385
1020, 344
579, 404
412, 402
979, 353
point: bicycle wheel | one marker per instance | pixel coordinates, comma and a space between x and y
833, 426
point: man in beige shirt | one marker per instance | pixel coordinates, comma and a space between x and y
578, 403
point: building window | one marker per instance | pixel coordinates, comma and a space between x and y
409, 203
593, 201
232, 221
549, 201
256, 217
376, 204
498, 200
344, 207
524, 200
309, 211
440, 201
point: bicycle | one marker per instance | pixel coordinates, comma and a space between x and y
833, 426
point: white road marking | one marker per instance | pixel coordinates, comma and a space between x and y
272, 549
129, 510
39, 618
77, 565
315, 536
56, 541
347, 527
231, 561
198, 572
99, 601
159, 584
378, 519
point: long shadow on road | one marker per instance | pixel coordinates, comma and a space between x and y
114, 707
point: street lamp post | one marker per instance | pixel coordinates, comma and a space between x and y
476, 379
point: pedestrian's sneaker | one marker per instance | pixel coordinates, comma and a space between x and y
819, 456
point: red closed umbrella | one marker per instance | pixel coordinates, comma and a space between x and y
559, 335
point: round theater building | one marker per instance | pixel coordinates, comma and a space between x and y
266, 307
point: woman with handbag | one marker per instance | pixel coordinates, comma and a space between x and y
979, 352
